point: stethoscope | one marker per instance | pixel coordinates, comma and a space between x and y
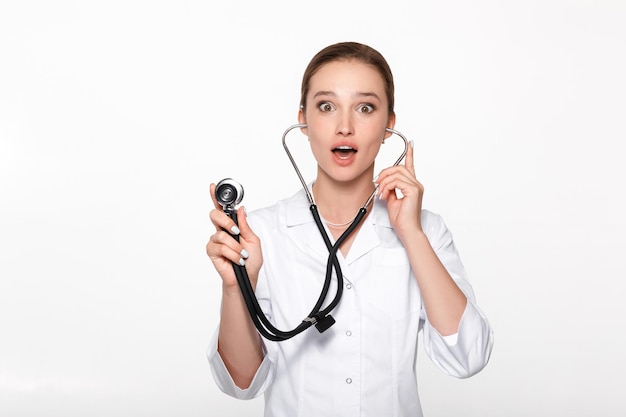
229, 193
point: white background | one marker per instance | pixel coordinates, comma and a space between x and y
116, 116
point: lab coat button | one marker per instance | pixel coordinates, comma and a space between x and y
348, 333
348, 286
348, 380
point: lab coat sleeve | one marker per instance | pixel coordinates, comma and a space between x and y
262, 379
267, 369
467, 352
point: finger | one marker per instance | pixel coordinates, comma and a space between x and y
222, 222
212, 191
400, 179
246, 232
386, 187
222, 245
389, 172
395, 173
384, 179
409, 161
242, 220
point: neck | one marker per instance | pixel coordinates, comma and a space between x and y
339, 202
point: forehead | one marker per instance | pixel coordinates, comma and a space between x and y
347, 75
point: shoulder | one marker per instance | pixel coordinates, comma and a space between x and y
279, 213
265, 216
431, 220
435, 229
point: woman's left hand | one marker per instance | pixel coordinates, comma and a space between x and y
404, 212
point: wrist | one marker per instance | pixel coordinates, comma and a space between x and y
231, 290
415, 239
413, 233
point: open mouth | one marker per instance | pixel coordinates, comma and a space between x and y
344, 151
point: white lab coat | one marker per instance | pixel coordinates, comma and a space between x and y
364, 365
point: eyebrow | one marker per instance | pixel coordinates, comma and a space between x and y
358, 94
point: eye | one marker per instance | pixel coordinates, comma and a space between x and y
365, 108
326, 106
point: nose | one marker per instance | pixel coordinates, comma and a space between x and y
345, 124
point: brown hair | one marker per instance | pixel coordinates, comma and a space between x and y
347, 51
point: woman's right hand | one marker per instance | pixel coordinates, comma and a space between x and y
223, 249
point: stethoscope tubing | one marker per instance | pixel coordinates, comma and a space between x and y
304, 184
263, 325
319, 317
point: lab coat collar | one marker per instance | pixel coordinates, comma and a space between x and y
300, 221
299, 210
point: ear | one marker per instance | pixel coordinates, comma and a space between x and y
302, 120
391, 122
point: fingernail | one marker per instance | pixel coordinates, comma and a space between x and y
375, 178
242, 262
411, 143
244, 253
235, 230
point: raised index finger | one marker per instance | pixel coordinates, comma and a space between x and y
408, 161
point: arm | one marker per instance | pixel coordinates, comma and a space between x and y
449, 310
468, 350
239, 344
443, 300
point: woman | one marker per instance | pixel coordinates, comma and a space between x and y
401, 270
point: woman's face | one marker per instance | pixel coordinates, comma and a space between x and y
346, 113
